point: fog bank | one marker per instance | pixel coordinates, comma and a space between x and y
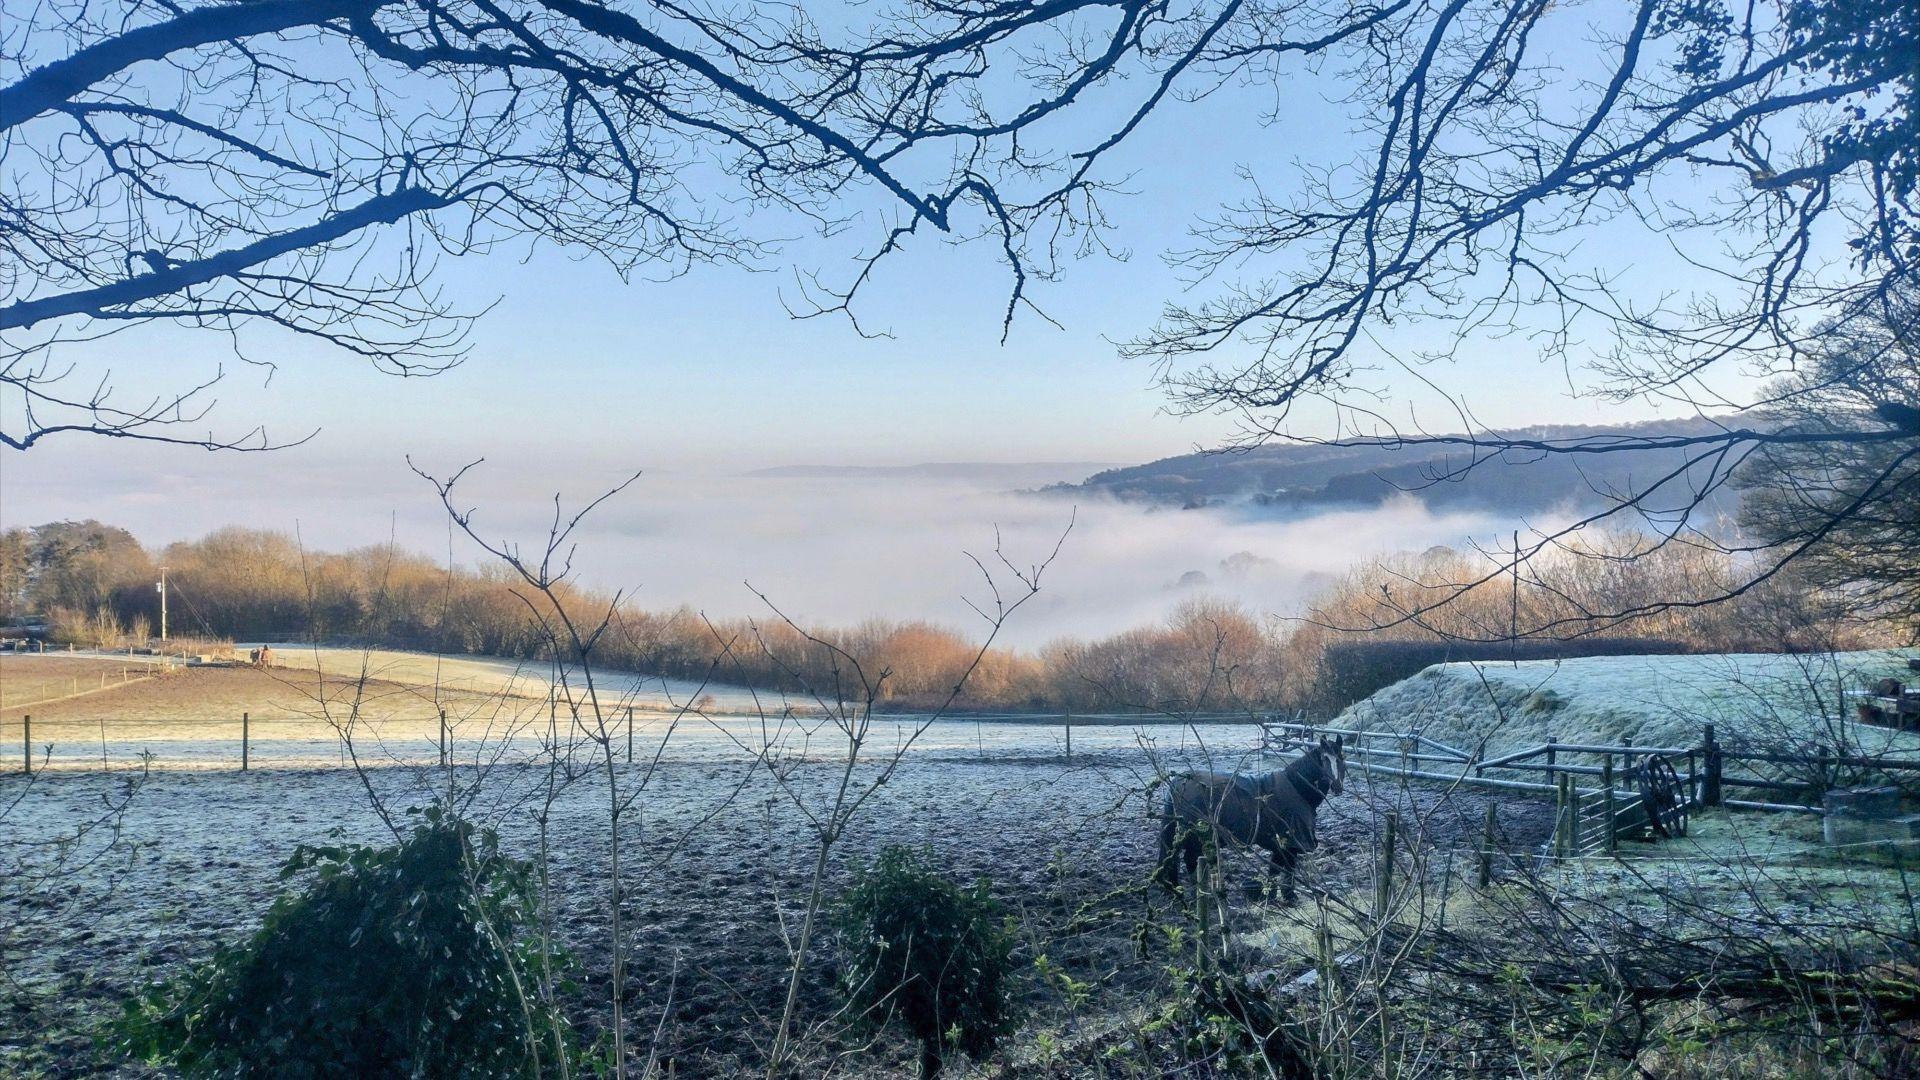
826, 548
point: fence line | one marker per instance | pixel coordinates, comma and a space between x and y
1594, 819
310, 739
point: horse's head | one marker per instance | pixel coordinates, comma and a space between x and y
1322, 770
1332, 759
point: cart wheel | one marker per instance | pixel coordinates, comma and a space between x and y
1661, 793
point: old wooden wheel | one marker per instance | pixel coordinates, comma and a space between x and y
1664, 797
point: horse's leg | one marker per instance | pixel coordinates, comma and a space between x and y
1284, 860
1191, 856
1167, 871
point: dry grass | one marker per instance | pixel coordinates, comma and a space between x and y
201, 703
28, 679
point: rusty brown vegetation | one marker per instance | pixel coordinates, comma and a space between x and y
1208, 655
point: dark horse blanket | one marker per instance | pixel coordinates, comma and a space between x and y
1273, 811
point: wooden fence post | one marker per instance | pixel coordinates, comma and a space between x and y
1069, 723
1613, 822
246, 725
1486, 847
1559, 815
1200, 917
1383, 888
1323, 947
26, 742
443, 738
1573, 812
1710, 786
1552, 741
1577, 819
1563, 813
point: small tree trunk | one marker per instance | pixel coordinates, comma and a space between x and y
778, 1059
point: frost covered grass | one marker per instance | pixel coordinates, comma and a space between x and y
1644, 700
192, 719
1769, 874
515, 678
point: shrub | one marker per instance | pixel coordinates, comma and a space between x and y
926, 953
394, 961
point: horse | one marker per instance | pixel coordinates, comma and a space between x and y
1273, 811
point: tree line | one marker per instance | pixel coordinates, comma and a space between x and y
93, 585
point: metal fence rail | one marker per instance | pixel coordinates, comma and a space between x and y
1596, 818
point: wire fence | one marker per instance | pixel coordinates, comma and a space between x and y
275, 738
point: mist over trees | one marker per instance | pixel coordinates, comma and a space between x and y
94, 584
1295, 476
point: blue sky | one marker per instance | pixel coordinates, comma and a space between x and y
576, 378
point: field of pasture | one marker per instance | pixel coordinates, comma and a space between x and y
193, 716
718, 849
32, 681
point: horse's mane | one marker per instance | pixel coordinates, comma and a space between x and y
1310, 759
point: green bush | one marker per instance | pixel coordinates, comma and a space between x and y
395, 961
921, 951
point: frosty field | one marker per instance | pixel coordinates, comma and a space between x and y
718, 853
1646, 700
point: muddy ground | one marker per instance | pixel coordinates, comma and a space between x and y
721, 855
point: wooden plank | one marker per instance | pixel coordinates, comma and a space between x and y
1400, 756
1638, 751
1746, 804
1454, 778
1517, 755
1774, 785
1458, 754
1821, 759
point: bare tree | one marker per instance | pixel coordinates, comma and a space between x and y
590, 713
302, 164
1513, 168
1854, 508
847, 699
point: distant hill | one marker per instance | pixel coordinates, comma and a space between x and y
1291, 476
1019, 474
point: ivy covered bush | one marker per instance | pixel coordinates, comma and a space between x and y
926, 954
398, 961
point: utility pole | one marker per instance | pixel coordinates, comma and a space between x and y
1513, 612
163, 603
